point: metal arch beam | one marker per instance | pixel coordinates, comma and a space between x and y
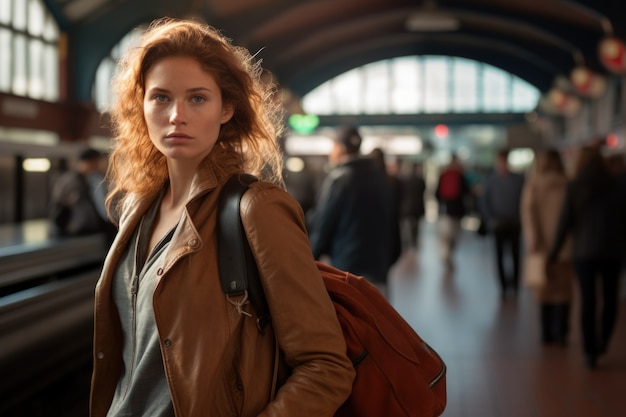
524, 64
93, 42
536, 51
607, 12
581, 33
542, 41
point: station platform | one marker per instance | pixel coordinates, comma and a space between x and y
46, 319
497, 366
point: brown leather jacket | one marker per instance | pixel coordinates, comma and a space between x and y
216, 361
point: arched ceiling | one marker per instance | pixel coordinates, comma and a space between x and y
305, 43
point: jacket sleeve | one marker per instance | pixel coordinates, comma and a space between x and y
303, 316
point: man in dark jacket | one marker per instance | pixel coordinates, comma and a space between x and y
353, 214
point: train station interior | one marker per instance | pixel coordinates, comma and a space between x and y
423, 80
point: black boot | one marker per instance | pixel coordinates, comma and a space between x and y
547, 314
561, 323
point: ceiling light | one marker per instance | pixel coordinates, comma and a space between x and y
429, 20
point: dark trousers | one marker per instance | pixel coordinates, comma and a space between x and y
410, 226
507, 237
554, 322
608, 270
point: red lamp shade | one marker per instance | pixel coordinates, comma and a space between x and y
563, 103
612, 53
587, 83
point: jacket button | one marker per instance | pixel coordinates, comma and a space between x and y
240, 387
100, 355
193, 243
160, 271
167, 342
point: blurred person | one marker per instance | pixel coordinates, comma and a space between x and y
412, 208
593, 215
501, 198
617, 166
77, 205
395, 183
191, 112
542, 198
354, 211
452, 191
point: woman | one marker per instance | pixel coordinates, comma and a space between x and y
593, 213
191, 111
542, 197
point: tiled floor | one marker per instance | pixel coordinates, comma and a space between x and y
497, 366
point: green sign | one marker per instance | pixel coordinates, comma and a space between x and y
303, 123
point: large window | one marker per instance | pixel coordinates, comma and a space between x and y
29, 57
108, 67
422, 84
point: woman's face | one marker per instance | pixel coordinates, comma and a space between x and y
183, 109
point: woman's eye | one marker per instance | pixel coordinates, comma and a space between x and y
198, 99
159, 98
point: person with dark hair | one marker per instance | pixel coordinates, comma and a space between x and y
501, 202
77, 205
542, 198
354, 212
191, 112
593, 215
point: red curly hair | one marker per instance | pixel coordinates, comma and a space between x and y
247, 142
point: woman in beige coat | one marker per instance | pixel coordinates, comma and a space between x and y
542, 198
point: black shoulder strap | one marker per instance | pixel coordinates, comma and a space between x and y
237, 268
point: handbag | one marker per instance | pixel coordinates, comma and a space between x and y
535, 265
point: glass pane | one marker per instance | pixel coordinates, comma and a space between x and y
495, 89
5, 11
525, 96
128, 41
430, 84
405, 91
376, 88
347, 92
465, 93
5, 60
50, 30
36, 81
19, 14
35, 17
436, 85
51, 73
319, 101
102, 88
20, 80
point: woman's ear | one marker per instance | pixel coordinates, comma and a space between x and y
227, 112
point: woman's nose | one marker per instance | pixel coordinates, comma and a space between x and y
177, 114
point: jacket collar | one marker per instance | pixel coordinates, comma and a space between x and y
205, 180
